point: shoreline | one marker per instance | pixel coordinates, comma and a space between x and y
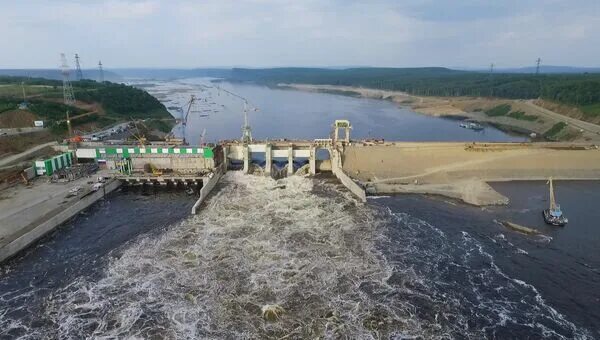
464, 171
473, 109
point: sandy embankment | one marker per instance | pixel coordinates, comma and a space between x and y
472, 109
462, 170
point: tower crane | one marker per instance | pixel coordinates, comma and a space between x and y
246, 129
191, 103
202, 138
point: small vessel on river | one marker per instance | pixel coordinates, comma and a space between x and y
553, 215
471, 126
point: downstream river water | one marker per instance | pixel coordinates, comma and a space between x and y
137, 265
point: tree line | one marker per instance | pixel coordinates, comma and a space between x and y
573, 89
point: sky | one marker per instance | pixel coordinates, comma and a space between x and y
272, 33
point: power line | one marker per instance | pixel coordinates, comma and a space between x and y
68, 96
101, 75
78, 73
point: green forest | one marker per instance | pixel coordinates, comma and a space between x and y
44, 96
581, 90
120, 99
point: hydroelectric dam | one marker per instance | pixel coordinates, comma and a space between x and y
365, 167
455, 169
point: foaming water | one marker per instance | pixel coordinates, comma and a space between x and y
457, 290
253, 245
329, 266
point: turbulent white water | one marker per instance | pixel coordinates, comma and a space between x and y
335, 267
251, 246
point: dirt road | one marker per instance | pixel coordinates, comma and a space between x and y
589, 127
15, 158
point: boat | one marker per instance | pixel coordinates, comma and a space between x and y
553, 215
471, 126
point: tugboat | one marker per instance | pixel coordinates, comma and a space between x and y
554, 215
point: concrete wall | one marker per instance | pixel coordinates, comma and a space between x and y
337, 170
207, 187
35, 232
178, 163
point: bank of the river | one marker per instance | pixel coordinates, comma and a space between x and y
523, 116
459, 170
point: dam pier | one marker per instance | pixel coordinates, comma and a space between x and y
456, 170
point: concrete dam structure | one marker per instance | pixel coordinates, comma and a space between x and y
457, 170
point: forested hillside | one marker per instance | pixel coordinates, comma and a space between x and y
106, 102
582, 90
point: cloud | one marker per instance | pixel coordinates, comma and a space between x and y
191, 33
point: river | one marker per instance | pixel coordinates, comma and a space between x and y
138, 266
280, 113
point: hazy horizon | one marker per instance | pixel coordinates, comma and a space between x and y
186, 34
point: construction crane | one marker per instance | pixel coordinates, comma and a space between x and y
191, 107
202, 138
139, 136
246, 129
24, 104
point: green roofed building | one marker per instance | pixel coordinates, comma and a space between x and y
49, 166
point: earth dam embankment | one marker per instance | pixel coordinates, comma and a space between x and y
460, 170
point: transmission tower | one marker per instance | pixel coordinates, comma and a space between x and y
78, 73
491, 68
537, 66
68, 96
101, 75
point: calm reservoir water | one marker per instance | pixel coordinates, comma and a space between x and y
302, 115
138, 266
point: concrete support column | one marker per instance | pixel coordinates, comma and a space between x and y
246, 155
225, 159
312, 161
290, 171
268, 160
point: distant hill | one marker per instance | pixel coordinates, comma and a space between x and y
351, 76
55, 74
171, 73
97, 104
